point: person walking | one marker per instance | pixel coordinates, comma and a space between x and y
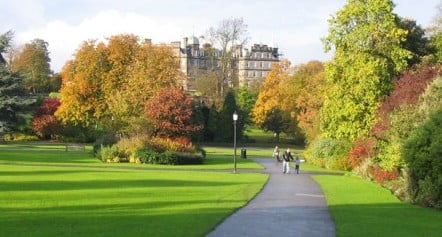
276, 154
297, 164
286, 157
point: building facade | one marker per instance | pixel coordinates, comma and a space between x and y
248, 64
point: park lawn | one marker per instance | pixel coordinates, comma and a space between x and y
76, 201
362, 208
217, 158
315, 169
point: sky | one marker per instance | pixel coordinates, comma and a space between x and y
296, 26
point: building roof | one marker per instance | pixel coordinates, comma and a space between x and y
193, 40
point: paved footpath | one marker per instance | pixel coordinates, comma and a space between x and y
288, 205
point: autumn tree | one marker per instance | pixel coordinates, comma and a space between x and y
309, 96
368, 53
174, 117
269, 98
33, 63
82, 96
110, 83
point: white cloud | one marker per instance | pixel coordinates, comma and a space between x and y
64, 38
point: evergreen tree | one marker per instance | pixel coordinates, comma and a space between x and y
225, 121
11, 91
11, 99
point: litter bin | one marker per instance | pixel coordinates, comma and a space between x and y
244, 153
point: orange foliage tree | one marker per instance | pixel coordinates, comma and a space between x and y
171, 111
309, 97
110, 83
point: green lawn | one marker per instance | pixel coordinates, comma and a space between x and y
362, 208
74, 194
217, 158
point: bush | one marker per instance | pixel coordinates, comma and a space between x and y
109, 154
128, 146
169, 157
380, 175
329, 153
19, 137
423, 154
180, 144
104, 140
362, 150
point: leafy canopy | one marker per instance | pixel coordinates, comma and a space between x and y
366, 40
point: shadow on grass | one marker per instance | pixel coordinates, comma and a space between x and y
47, 156
104, 184
386, 219
47, 172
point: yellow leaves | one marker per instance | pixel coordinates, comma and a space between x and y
270, 94
123, 68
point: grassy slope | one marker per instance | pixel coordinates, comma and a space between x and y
362, 208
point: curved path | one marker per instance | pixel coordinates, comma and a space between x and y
288, 205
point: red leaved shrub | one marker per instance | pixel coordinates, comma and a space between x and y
362, 150
380, 175
44, 123
407, 90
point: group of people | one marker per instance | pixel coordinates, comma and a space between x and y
286, 158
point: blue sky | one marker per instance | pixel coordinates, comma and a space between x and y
296, 26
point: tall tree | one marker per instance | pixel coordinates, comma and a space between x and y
12, 94
436, 34
367, 43
228, 35
416, 41
309, 97
224, 124
82, 97
110, 83
269, 96
33, 63
5, 43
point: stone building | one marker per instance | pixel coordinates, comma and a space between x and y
249, 64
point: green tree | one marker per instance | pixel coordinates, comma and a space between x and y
5, 43
276, 122
246, 101
367, 42
33, 63
416, 41
12, 94
436, 34
224, 127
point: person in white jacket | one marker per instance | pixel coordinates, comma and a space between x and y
286, 157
